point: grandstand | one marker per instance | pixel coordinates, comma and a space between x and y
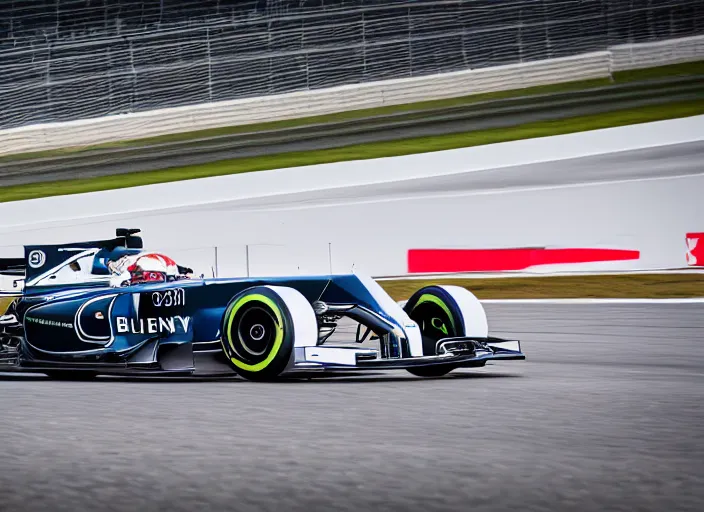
71, 59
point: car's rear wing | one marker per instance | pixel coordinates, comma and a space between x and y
12, 266
12, 274
73, 263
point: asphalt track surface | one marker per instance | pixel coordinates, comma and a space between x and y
605, 414
675, 160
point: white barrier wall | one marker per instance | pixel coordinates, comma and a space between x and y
351, 97
300, 104
661, 53
365, 215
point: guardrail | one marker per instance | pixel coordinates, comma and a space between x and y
349, 97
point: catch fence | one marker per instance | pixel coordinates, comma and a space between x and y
62, 60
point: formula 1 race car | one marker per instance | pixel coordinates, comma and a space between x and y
109, 307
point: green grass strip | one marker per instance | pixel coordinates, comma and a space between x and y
625, 286
357, 152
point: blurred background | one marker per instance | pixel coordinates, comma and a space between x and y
529, 150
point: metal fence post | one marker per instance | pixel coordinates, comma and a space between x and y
210, 66
217, 271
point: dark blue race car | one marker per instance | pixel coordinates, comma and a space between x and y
89, 308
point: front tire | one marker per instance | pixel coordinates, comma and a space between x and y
444, 312
437, 314
258, 330
431, 371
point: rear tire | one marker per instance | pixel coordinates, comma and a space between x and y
258, 331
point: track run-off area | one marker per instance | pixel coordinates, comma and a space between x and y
634, 188
605, 414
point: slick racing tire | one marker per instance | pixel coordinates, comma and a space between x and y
259, 329
444, 312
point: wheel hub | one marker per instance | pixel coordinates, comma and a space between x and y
256, 331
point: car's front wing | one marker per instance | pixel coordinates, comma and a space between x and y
457, 352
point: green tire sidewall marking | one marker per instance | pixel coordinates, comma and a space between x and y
279, 331
426, 297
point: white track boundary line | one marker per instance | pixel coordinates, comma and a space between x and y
577, 302
692, 300
547, 274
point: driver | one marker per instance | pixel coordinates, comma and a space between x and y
147, 267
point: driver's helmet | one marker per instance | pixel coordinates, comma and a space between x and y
147, 267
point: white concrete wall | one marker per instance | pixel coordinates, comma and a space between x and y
661, 53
